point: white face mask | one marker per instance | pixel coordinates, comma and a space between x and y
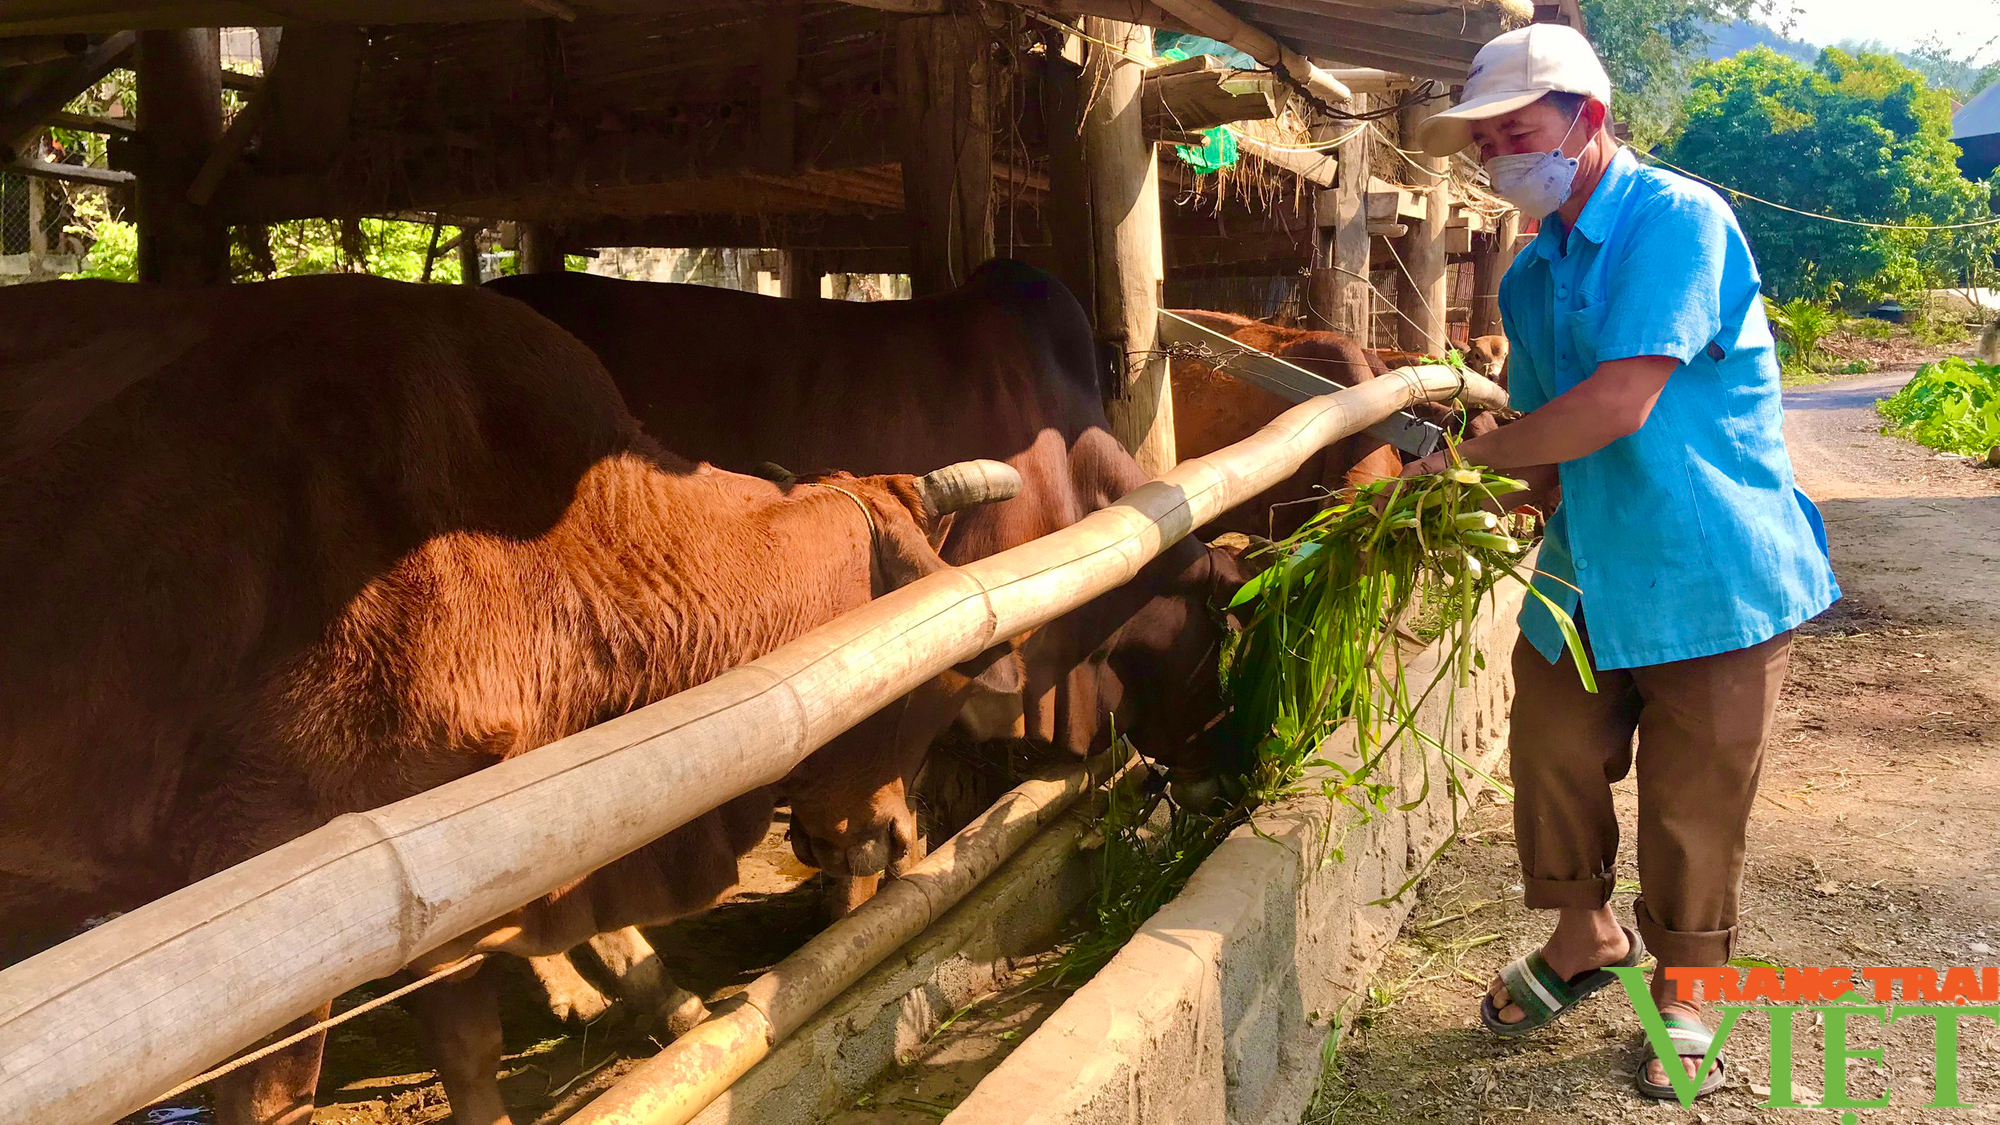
1536, 182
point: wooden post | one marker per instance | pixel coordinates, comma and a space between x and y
1489, 265
1124, 183
540, 250
1339, 298
943, 80
1420, 285
1066, 208
38, 236
180, 121
468, 256
799, 273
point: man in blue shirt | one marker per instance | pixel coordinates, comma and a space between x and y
1646, 371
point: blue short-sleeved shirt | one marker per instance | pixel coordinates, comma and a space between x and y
1689, 537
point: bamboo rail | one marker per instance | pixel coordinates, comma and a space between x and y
689, 1073
101, 1024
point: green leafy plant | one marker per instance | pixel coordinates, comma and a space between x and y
1333, 623
1952, 405
1803, 324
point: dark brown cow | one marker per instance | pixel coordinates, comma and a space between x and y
1005, 368
1213, 409
274, 553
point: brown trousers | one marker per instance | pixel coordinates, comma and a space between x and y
1701, 726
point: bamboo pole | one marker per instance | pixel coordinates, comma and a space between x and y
100, 1025
673, 1086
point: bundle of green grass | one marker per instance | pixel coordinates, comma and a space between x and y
1333, 622
1952, 406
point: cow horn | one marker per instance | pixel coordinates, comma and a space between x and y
963, 484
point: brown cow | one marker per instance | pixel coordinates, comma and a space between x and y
1485, 354
1213, 408
274, 553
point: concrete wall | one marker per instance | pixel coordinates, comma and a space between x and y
1218, 1009
840, 1053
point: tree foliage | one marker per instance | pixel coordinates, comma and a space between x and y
1649, 48
1859, 137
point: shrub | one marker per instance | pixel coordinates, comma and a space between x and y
1952, 405
1803, 324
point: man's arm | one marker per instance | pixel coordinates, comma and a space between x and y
1613, 403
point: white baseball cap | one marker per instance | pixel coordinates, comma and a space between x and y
1514, 70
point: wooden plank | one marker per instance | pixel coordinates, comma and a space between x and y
1191, 100
71, 173
1387, 55
1317, 168
20, 121
1457, 240
1459, 24
111, 126
1287, 380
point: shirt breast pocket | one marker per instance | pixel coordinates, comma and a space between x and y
1581, 331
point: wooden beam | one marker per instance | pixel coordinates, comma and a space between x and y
20, 121
110, 126
1180, 98
943, 77
180, 122
798, 274
1385, 55
816, 232
1066, 211
778, 107
310, 98
1466, 26
71, 173
1420, 283
1124, 180
1489, 265
1339, 297
540, 249
468, 256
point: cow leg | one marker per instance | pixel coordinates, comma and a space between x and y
277, 1089
641, 980
460, 1016
571, 998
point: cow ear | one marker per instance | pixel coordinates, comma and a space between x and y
939, 530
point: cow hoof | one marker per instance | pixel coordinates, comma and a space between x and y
579, 1007
687, 1011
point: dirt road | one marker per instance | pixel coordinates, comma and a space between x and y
1877, 841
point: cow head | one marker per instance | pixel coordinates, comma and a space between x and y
1141, 663
1488, 356
850, 811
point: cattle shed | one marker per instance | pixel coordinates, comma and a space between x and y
914, 137
1262, 170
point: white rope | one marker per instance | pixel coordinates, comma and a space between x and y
298, 1037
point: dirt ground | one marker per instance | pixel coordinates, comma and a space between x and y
1875, 842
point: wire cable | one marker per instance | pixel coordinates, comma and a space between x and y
1725, 188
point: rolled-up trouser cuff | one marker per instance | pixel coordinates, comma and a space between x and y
1562, 894
1692, 948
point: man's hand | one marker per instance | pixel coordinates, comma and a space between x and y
1425, 466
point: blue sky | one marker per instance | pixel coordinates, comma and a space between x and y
1966, 24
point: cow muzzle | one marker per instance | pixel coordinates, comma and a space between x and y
966, 484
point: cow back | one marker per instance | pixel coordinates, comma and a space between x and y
193, 484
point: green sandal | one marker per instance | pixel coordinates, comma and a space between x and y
1542, 995
1691, 1039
